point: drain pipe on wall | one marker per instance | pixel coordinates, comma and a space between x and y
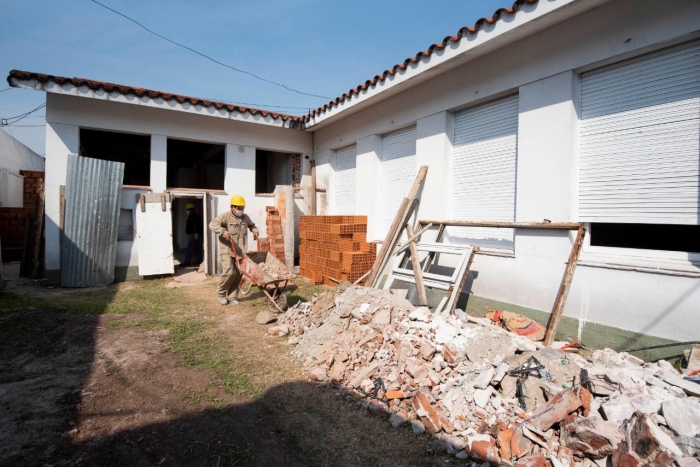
312, 204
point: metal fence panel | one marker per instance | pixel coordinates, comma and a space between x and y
91, 221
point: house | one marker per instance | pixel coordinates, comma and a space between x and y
15, 157
566, 110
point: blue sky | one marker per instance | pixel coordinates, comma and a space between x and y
321, 47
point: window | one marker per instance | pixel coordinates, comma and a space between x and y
276, 168
646, 236
196, 165
484, 165
133, 150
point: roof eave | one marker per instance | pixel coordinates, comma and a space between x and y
84, 91
528, 19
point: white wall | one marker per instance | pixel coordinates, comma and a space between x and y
67, 114
15, 156
543, 69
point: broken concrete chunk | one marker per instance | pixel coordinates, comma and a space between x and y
364, 374
421, 313
687, 462
382, 317
592, 436
265, 317
417, 427
645, 444
484, 378
683, 416
482, 397
317, 374
397, 420
689, 446
536, 460
688, 386
279, 330
618, 410
557, 409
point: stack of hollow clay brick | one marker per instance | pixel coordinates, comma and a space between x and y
274, 242
334, 247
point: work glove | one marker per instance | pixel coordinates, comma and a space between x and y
226, 235
196, 236
256, 233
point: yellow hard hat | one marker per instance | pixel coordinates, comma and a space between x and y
189, 206
237, 200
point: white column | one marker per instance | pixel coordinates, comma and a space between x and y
61, 140
367, 173
547, 150
159, 163
434, 149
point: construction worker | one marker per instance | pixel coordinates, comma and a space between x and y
193, 229
233, 225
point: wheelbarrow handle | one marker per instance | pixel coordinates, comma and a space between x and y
243, 274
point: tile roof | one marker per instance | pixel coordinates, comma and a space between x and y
402, 66
140, 92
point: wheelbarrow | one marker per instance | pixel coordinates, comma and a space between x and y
252, 274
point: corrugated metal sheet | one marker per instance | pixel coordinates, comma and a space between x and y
344, 169
91, 221
640, 140
484, 170
398, 171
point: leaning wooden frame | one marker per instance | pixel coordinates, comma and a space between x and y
420, 276
563, 292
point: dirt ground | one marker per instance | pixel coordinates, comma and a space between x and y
147, 373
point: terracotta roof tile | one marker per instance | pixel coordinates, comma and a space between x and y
140, 92
402, 66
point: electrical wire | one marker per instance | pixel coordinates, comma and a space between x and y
208, 57
6, 89
17, 118
25, 126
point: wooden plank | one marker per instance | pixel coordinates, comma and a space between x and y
422, 298
411, 238
508, 225
558, 309
38, 231
386, 245
397, 235
462, 280
397, 226
312, 203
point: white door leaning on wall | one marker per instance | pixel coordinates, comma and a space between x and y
154, 232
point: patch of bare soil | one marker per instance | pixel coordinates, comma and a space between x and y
85, 390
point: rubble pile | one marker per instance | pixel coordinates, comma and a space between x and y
491, 396
275, 269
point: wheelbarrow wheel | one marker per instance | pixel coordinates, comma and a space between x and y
280, 301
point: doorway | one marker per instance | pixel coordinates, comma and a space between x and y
204, 251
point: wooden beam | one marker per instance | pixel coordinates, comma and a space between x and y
411, 238
507, 225
558, 308
392, 237
312, 201
422, 298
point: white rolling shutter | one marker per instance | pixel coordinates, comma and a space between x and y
344, 180
483, 171
398, 171
640, 145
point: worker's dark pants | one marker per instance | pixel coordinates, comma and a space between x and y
230, 277
194, 248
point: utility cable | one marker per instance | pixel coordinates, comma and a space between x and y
17, 118
19, 153
206, 56
6, 89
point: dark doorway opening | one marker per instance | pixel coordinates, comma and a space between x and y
181, 236
196, 165
133, 150
276, 168
666, 237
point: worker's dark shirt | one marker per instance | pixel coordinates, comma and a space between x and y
194, 224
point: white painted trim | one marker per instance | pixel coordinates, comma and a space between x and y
115, 96
529, 19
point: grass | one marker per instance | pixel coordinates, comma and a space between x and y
159, 309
